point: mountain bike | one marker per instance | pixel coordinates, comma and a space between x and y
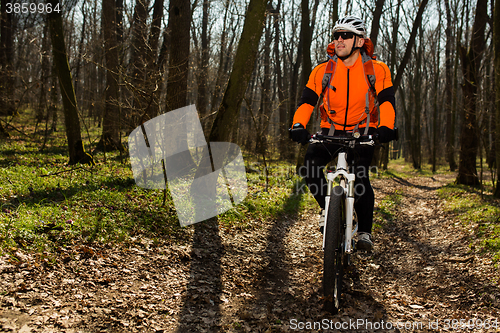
341, 222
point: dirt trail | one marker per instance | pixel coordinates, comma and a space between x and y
267, 278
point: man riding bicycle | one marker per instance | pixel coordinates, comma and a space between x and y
355, 96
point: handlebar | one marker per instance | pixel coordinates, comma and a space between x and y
345, 140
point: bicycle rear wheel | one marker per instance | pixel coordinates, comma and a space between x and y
334, 250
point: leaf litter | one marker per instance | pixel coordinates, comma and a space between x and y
265, 278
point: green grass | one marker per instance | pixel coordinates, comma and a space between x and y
285, 195
46, 204
480, 215
402, 169
387, 208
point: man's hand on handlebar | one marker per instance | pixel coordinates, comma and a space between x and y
299, 134
385, 134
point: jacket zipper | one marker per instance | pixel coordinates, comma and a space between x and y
347, 103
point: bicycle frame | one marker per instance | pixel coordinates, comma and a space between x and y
338, 242
347, 183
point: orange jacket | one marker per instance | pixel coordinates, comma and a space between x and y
345, 104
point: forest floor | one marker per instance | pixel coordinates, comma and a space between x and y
422, 276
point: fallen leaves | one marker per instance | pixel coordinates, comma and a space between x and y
253, 280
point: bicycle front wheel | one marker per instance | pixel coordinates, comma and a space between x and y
334, 250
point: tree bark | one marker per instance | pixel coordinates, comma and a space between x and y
244, 62
6, 61
416, 138
416, 25
471, 60
154, 68
202, 104
496, 41
377, 14
77, 153
110, 138
305, 31
283, 124
448, 89
45, 74
80, 48
138, 55
179, 26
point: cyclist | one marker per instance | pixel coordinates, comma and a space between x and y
349, 101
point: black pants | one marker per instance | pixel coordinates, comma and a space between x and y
318, 155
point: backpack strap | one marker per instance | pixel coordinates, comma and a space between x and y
369, 73
331, 67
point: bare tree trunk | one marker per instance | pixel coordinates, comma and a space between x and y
80, 48
77, 153
283, 137
203, 64
219, 85
52, 109
110, 138
448, 86
306, 37
45, 74
6, 61
138, 55
377, 14
471, 60
416, 25
154, 68
416, 138
179, 25
242, 70
496, 41
334, 14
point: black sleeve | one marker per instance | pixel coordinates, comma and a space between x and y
387, 95
308, 97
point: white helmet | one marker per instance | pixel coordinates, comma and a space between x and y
351, 23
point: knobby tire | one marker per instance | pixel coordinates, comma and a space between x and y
334, 250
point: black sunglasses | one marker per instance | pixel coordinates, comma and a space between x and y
344, 34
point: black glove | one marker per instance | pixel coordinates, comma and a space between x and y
385, 134
299, 134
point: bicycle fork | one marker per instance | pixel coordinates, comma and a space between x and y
342, 172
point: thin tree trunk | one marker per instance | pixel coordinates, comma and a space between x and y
471, 59
110, 138
154, 69
6, 61
45, 72
179, 25
203, 64
416, 139
334, 14
496, 41
377, 14
80, 48
219, 86
306, 35
242, 70
416, 25
52, 109
77, 153
139, 64
283, 137
448, 86
435, 110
